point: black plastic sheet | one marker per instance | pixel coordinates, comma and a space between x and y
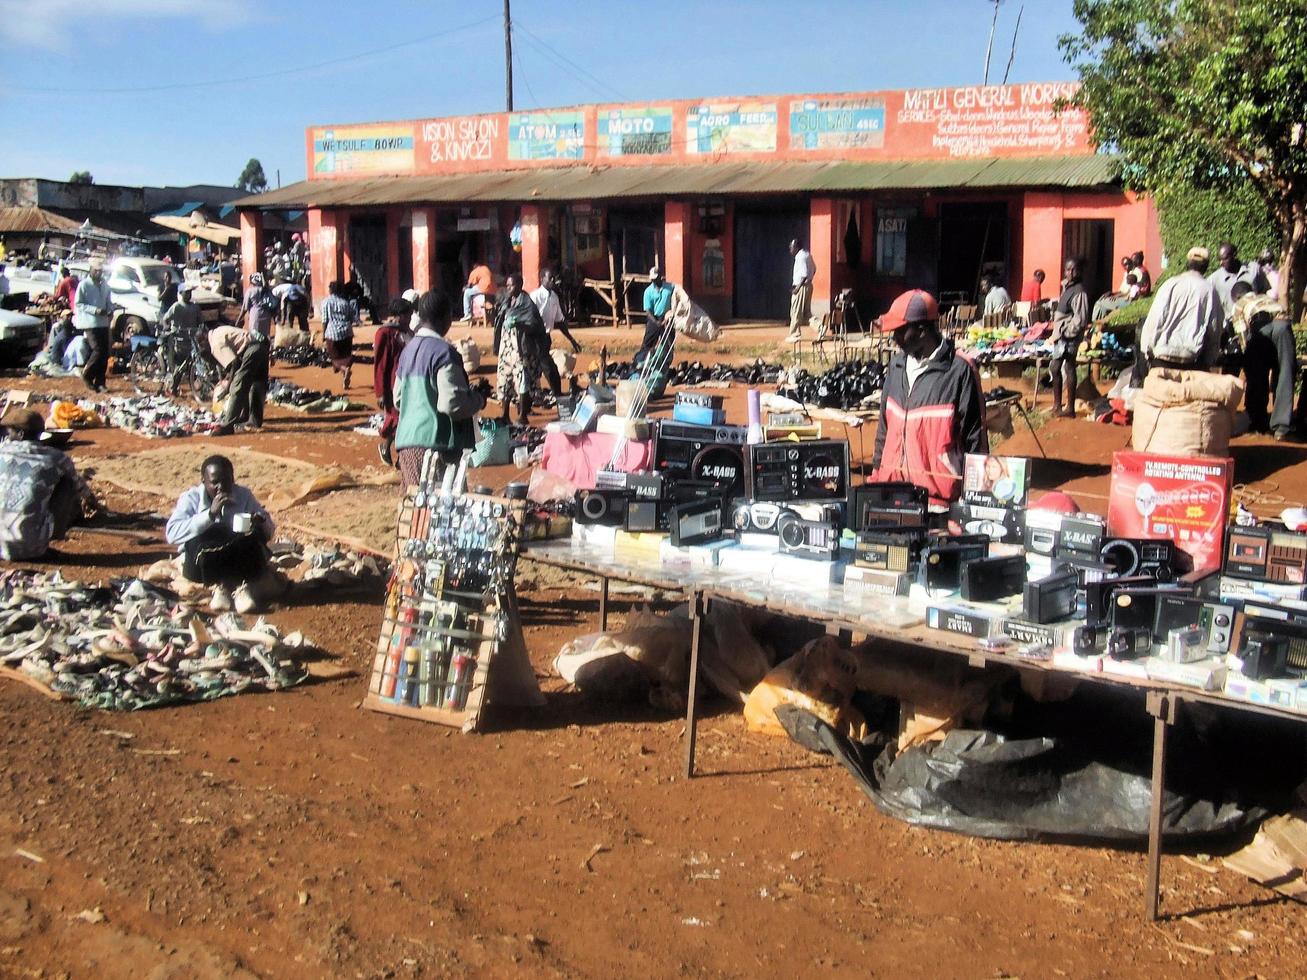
984, 784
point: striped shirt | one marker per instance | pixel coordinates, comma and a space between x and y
338, 318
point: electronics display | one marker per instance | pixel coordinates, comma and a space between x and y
697, 414
1041, 533
697, 522
1177, 611
643, 515
757, 518
1134, 608
606, 507
1154, 557
890, 550
818, 540
887, 504
700, 399
1267, 554
990, 579
1050, 599
1089, 639
1081, 535
1129, 642
1264, 655
817, 470
1185, 645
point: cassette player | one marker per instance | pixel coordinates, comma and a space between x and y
704, 453
1267, 554
816, 470
890, 549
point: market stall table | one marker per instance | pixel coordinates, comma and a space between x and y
830, 608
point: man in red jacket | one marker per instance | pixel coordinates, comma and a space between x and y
932, 413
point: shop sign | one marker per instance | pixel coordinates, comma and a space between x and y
546, 135
837, 124
382, 148
737, 127
1185, 499
460, 139
639, 131
991, 121
475, 224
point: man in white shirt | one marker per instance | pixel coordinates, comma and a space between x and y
551, 311
1230, 270
801, 289
996, 297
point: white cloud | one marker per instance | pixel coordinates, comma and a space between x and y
57, 24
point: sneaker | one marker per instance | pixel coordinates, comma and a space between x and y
793, 338
221, 600
244, 600
383, 450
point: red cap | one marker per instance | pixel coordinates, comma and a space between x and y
911, 307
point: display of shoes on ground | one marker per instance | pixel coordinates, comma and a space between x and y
845, 386
290, 395
372, 427
155, 416
131, 645
689, 373
301, 355
337, 568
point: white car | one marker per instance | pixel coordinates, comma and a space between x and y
21, 338
136, 284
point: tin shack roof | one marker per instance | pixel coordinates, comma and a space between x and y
599, 183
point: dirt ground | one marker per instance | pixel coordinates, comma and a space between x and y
299, 835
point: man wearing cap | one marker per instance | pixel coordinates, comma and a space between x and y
92, 308
657, 303
932, 413
39, 495
184, 315
800, 289
1183, 326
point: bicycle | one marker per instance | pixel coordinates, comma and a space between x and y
160, 365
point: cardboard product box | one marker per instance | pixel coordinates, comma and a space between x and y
1186, 499
1206, 675
995, 481
1054, 635
746, 559
1000, 523
636, 430
964, 620
1252, 590
642, 544
1281, 692
872, 582
707, 555
793, 570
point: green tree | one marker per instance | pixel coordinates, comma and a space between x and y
1205, 94
252, 178
81, 177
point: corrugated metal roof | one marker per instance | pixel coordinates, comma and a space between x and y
586, 183
33, 220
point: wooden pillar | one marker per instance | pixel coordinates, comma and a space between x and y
251, 242
342, 244
821, 243
532, 246
676, 243
392, 254
424, 248
324, 247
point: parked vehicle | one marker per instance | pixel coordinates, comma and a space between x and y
21, 338
136, 285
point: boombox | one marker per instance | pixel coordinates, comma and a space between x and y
817, 470
808, 539
698, 452
1267, 554
606, 507
887, 505
757, 518
1079, 536
1154, 557
890, 549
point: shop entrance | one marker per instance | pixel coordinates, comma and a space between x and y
973, 240
367, 256
1092, 240
636, 235
405, 250
763, 265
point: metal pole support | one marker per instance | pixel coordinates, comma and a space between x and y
603, 604
698, 608
1165, 708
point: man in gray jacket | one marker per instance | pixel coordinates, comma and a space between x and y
1183, 327
92, 308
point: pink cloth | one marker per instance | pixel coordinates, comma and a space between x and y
578, 458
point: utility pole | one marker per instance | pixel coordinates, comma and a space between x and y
988, 47
508, 56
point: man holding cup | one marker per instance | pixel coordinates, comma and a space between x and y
223, 532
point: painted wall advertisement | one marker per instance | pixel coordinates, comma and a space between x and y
459, 140
382, 148
546, 135
837, 124
1182, 498
635, 131
990, 121
737, 127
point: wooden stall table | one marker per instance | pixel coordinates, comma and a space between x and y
829, 608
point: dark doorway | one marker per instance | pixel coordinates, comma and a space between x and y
367, 256
1091, 239
973, 240
764, 268
405, 250
636, 235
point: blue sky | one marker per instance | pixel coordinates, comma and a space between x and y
172, 91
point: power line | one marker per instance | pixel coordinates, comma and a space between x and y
281, 73
540, 42
517, 58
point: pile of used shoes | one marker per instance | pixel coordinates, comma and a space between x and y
157, 416
689, 373
337, 567
291, 395
131, 645
853, 384
301, 355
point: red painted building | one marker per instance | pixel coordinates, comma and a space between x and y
890, 190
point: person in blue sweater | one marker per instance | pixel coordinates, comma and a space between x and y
436, 401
